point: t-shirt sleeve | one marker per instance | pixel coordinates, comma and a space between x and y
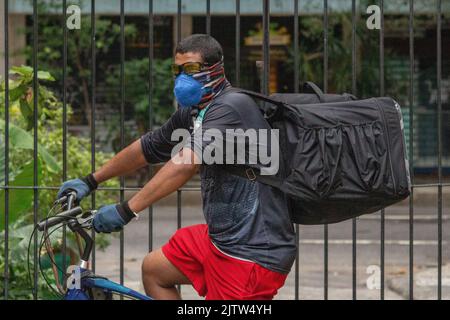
157, 145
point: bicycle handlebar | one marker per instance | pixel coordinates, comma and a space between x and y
63, 216
75, 225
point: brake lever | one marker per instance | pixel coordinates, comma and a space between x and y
86, 222
68, 201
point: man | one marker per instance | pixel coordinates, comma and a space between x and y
247, 247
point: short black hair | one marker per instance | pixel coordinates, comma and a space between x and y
208, 47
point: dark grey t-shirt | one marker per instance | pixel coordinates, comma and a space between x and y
246, 219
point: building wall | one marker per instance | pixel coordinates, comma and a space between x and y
17, 39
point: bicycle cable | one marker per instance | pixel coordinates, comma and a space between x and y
33, 289
43, 240
28, 251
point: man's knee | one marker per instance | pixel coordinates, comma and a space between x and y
157, 269
150, 265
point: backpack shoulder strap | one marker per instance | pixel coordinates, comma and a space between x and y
246, 171
243, 170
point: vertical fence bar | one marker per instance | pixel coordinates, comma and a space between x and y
178, 191
382, 235
354, 225
179, 21
296, 90
266, 46
178, 40
325, 89
238, 44
35, 145
411, 146
179, 208
122, 123
150, 107
439, 128
6, 172
64, 125
208, 17
93, 102
179, 221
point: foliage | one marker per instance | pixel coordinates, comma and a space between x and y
339, 45
79, 44
137, 90
20, 286
49, 165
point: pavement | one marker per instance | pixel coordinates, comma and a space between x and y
311, 248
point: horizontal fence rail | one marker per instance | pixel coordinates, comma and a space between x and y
151, 19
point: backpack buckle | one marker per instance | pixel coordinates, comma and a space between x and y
250, 174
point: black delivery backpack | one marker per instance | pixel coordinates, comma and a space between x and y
341, 157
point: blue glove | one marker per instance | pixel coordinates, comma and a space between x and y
112, 218
83, 187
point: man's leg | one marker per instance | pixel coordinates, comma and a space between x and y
160, 276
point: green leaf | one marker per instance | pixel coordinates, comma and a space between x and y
17, 93
20, 200
13, 84
22, 70
45, 75
21, 139
27, 113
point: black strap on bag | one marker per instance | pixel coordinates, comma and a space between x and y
253, 175
311, 87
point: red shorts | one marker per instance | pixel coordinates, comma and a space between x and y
216, 275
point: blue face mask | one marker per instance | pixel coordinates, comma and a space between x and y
188, 91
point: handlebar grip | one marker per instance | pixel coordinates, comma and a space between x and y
52, 221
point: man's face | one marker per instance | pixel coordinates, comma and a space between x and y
182, 58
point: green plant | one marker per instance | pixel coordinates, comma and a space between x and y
19, 282
79, 44
339, 44
49, 165
137, 90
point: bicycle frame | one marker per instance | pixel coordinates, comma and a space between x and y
97, 288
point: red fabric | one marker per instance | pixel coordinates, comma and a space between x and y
216, 275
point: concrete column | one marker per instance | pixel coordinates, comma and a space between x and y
186, 30
186, 27
17, 39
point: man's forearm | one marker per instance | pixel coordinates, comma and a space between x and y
126, 161
169, 178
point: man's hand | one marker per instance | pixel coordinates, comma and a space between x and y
83, 187
112, 218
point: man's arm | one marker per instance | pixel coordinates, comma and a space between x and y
169, 178
126, 161
153, 147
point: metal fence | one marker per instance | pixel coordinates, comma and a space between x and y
265, 85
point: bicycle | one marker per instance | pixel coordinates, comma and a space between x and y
83, 283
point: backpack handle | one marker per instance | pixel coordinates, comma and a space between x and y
314, 88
